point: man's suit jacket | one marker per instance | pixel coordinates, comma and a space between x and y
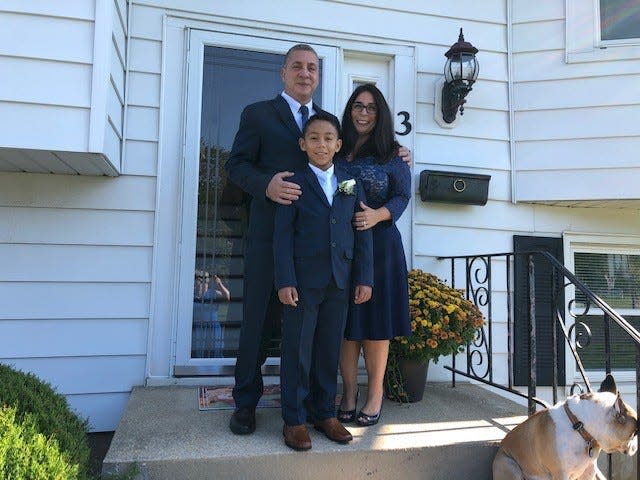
266, 143
313, 241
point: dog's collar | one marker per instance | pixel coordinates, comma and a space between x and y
578, 426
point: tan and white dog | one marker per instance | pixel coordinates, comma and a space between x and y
563, 442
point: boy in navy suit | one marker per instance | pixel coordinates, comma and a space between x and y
318, 255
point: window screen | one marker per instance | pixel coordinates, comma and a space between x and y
614, 277
619, 19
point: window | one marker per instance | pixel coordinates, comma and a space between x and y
619, 20
614, 277
611, 271
602, 30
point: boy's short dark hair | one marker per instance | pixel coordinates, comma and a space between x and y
327, 117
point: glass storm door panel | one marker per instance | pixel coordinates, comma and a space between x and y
224, 72
232, 79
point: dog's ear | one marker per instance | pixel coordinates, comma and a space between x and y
609, 385
621, 412
619, 406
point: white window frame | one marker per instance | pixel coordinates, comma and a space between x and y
595, 243
583, 39
610, 43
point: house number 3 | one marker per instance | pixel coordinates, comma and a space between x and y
405, 122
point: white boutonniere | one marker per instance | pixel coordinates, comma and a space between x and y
347, 187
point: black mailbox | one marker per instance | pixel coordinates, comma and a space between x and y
454, 187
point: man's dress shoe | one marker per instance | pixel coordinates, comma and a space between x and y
296, 437
334, 430
243, 421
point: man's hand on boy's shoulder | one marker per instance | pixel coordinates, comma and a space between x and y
281, 191
362, 294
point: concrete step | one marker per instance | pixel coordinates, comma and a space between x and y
451, 434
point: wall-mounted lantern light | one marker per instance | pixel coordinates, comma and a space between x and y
460, 72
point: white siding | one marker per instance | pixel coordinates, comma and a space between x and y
39, 49
116, 85
62, 85
75, 285
576, 128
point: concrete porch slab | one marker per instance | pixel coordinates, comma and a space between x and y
451, 433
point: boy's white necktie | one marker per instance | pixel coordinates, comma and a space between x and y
327, 186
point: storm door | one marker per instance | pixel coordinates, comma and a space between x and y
231, 79
212, 270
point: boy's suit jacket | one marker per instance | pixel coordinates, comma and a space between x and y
313, 241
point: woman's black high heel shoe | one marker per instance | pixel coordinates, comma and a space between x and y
348, 416
365, 420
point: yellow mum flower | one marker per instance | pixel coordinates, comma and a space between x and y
442, 320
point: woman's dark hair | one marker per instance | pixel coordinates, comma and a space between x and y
327, 117
381, 142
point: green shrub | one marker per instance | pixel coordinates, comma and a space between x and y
27, 454
36, 403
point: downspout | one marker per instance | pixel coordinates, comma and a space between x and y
510, 100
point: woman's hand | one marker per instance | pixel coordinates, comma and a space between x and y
369, 217
405, 154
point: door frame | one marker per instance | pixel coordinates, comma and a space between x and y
175, 153
579, 242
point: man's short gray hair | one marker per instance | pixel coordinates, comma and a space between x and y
299, 46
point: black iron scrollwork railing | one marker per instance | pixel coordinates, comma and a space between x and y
479, 273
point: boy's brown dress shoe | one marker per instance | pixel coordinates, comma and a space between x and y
334, 430
296, 437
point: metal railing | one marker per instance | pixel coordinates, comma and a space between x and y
479, 273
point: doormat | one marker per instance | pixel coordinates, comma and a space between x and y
219, 397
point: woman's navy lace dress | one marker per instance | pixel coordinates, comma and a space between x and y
386, 315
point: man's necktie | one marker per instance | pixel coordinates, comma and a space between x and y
304, 111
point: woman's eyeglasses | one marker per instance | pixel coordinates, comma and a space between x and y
361, 107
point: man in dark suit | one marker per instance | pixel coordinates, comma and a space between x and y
265, 153
317, 253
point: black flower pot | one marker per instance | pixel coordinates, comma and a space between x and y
409, 382
414, 375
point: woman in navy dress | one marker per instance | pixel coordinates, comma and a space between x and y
370, 153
